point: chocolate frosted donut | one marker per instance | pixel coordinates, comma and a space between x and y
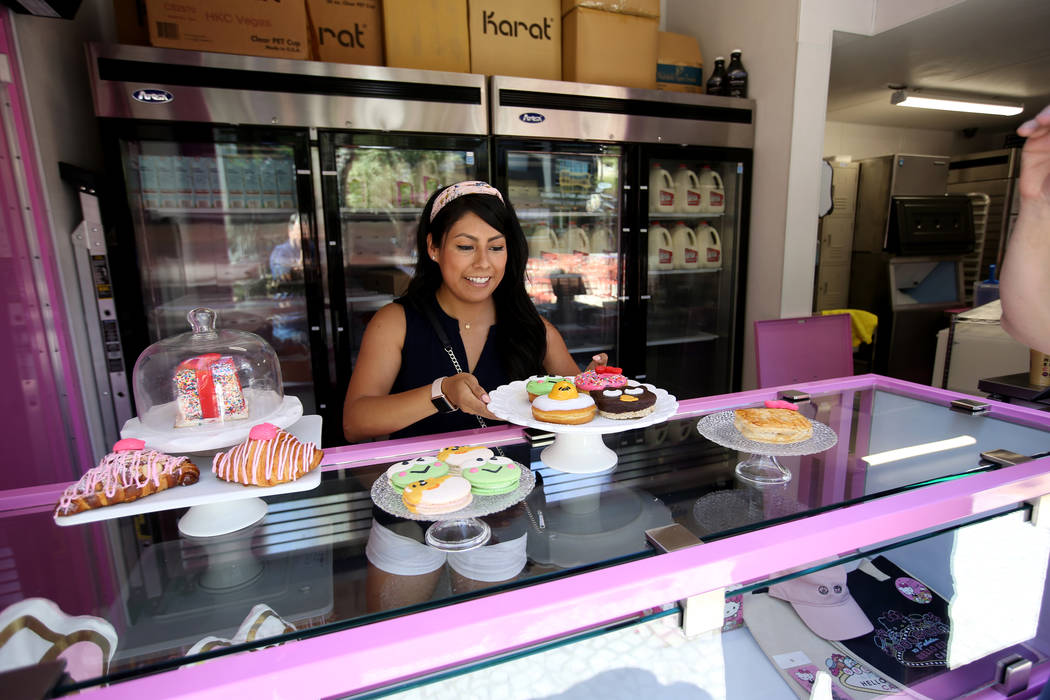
629, 402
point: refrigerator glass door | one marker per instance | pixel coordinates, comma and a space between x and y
379, 186
569, 207
217, 224
694, 222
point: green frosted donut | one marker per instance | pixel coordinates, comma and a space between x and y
541, 386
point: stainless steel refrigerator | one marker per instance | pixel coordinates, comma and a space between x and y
636, 207
281, 193
285, 194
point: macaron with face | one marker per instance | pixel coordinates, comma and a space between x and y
443, 494
459, 455
404, 473
493, 476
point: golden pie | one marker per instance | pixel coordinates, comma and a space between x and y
779, 425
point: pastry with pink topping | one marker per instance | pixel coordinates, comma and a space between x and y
269, 456
128, 473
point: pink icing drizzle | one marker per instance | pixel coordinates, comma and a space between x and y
781, 404
280, 455
123, 468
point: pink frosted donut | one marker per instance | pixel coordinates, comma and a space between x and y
592, 381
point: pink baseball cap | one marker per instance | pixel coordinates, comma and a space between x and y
823, 602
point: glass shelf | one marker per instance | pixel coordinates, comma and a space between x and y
168, 212
543, 214
407, 213
698, 271
380, 260
671, 216
700, 337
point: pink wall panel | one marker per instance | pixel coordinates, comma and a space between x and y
36, 435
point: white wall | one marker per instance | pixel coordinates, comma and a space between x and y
867, 140
55, 76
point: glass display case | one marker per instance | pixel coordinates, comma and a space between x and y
569, 206
695, 214
216, 217
377, 187
938, 510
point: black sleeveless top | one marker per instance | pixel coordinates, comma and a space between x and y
423, 359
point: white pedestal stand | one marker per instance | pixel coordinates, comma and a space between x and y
761, 465
216, 507
577, 449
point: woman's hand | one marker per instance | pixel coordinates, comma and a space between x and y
1034, 181
599, 360
467, 395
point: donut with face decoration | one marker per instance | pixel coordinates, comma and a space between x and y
634, 400
564, 405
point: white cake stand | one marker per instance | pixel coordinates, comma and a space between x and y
461, 530
761, 465
202, 439
216, 507
577, 449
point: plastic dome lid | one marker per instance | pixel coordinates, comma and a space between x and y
206, 379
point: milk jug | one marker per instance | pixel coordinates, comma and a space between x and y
710, 246
602, 240
713, 192
575, 240
661, 190
686, 252
661, 249
542, 240
687, 193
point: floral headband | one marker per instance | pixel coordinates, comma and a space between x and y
458, 190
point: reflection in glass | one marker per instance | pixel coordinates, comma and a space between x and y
217, 225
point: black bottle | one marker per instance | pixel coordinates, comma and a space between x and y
718, 83
736, 83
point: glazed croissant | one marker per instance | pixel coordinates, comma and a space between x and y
269, 456
128, 473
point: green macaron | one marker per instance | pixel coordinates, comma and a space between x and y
492, 476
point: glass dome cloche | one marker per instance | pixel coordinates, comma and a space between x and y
207, 379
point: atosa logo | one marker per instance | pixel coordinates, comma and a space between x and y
153, 96
531, 117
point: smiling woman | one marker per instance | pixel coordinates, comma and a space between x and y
466, 324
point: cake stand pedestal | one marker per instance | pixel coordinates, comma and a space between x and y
577, 449
761, 465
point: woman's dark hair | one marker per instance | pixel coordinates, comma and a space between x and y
521, 337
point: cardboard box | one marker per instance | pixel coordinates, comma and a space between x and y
642, 8
130, 18
346, 31
679, 65
516, 37
609, 48
428, 34
251, 27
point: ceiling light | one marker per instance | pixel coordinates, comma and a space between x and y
954, 103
